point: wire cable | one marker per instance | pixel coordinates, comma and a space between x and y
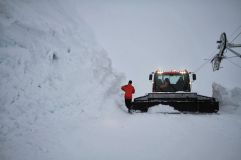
203, 64
236, 37
234, 63
237, 29
231, 57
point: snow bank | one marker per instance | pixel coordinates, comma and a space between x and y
229, 100
52, 72
49, 58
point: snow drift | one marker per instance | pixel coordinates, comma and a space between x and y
49, 59
51, 70
229, 100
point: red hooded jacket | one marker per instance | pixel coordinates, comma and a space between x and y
129, 90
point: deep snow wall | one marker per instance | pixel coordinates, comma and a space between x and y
229, 99
50, 67
48, 56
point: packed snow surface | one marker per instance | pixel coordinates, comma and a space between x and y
60, 98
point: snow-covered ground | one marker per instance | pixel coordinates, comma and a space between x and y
60, 98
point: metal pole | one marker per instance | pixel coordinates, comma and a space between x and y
232, 45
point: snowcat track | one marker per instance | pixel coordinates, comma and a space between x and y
193, 103
185, 106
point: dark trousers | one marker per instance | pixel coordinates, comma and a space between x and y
128, 103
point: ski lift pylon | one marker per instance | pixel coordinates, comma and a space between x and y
223, 46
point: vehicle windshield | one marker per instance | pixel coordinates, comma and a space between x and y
177, 82
172, 78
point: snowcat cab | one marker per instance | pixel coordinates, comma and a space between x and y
177, 81
173, 88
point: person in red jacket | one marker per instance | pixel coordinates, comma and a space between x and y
129, 90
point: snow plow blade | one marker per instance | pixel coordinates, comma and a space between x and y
183, 102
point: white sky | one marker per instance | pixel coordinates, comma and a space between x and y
141, 36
